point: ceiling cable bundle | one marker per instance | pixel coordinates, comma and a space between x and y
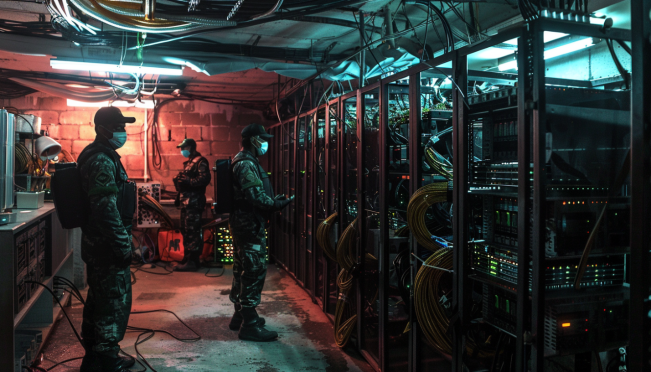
345, 259
419, 203
323, 236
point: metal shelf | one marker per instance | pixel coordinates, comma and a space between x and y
35, 297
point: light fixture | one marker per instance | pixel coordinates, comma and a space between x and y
554, 52
512, 65
77, 86
547, 37
62, 64
138, 104
569, 48
492, 53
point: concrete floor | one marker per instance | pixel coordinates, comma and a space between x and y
305, 342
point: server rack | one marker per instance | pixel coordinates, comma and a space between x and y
364, 142
640, 324
332, 197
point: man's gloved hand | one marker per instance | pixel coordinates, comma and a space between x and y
282, 203
182, 179
177, 201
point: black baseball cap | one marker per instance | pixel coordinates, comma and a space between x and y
253, 129
109, 116
187, 142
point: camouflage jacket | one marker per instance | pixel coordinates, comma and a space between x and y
252, 204
191, 182
107, 235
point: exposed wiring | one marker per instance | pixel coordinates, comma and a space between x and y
346, 248
147, 332
420, 202
323, 233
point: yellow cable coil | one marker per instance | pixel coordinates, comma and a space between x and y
432, 158
402, 232
155, 207
346, 258
429, 311
23, 158
323, 236
66, 157
147, 24
419, 203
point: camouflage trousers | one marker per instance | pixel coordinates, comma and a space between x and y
249, 269
191, 229
107, 309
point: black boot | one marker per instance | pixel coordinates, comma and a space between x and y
93, 362
251, 330
192, 262
237, 319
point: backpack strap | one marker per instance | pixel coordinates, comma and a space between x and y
94, 149
233, 167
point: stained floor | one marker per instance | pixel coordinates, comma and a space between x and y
305, 342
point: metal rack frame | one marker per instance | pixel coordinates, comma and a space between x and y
531, 98
640, 322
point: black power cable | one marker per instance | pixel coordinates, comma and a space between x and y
145, 331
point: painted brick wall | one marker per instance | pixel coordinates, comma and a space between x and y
216, 128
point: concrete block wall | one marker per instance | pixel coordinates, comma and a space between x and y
215, 127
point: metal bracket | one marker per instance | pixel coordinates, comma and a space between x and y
326, 52
430, 266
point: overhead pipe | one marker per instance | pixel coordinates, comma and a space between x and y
388, 21
362, 55
108, 5
270, 12
95, 10
60, 91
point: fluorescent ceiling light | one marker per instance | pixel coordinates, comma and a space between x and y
137, 104
597, 21
114, 67
569, 48
77, 86
512, 65
492, 53
547, 37
552, 53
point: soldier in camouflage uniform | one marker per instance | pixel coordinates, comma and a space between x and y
254, 202
106, 245
191, 184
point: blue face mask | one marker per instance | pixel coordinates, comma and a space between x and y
264, 146
185, 153
118, 140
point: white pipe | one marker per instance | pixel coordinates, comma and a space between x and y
145, 176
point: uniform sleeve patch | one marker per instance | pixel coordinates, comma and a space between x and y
103, 178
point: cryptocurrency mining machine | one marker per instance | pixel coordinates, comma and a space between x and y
543, 166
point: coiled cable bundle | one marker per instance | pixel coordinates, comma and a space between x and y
323, 236
155, 207
427, 300
23, 158
346, 258
440, 164
425, 197
429, 305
